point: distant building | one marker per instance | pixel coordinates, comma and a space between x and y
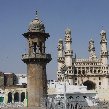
12, 80
61, 91
92, 72
13, 88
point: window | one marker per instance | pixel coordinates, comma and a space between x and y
83, 72
75, 83
99, 83
75, 78
79, 71
98, 71
94, 71
99, 78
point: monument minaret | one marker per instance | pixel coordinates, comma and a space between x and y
60, 59
104, 51
68, 53
68, 50
91, 50
36, 61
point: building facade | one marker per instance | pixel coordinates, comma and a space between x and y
92, 72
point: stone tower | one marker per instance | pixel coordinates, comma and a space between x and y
104, 51
68, 50
36, 61
68, 53
60, 59
91, 50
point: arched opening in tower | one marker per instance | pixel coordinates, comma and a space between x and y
9, 97
22, 96
90, 85
16, 97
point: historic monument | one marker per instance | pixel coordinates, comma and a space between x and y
92, 72
36, 61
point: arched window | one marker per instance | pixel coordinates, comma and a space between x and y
90, 85
22, 96
79, 72
75, 71
40, 47
94, 71
9, 97
16, 97
83, 72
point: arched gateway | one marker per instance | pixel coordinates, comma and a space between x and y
90, 85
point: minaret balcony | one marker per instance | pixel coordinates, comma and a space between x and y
61, 59
68, 52
103, 41
36, 57
104, 53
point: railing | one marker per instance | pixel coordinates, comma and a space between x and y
34, 55
11, 105
58, 103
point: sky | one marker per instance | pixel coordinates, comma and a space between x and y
85, 18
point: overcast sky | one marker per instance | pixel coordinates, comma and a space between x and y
84, 17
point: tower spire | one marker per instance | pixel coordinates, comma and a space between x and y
36, 14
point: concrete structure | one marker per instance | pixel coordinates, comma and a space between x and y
21, 79
13, 89
61, 91
92, 72
36, 61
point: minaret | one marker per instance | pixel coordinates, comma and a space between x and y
104, 51
68, 54
91, 50
60, 59
36, 61
68, 50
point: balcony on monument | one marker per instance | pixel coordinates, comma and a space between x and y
36, 56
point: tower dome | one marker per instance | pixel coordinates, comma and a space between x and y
102, 32
36, 25
67, 31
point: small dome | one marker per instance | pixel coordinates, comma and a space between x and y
67, 31
60, 41
36, 26
91, 40
102, 32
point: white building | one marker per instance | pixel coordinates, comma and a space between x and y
92, 72
22, 79
67, 94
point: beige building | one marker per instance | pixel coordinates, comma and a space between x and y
92, 72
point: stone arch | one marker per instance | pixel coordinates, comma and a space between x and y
60, 105
22, 96
9, 97
16, 97
90, 85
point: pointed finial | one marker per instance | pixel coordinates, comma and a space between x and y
36, 14
91, 40
67, 31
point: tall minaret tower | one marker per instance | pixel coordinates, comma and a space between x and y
104, 51
36, 61
68, 50
68, 54
91, 50
60, 59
